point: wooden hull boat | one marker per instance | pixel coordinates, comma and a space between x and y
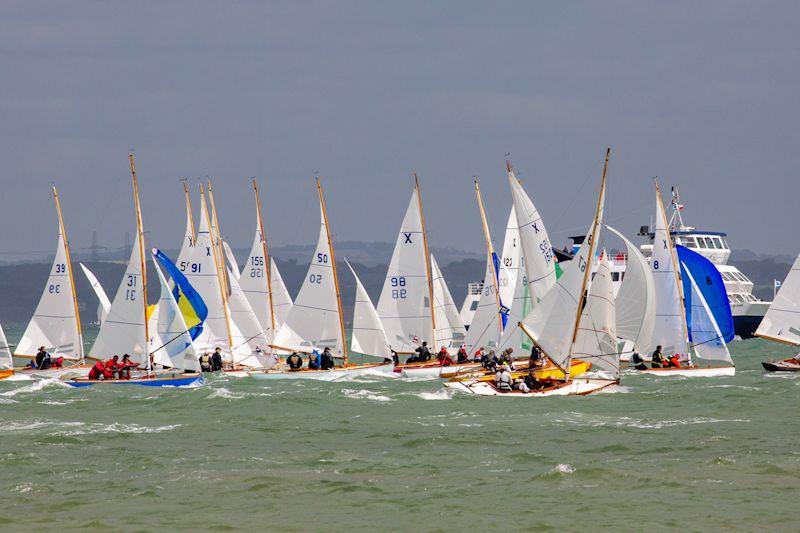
432, 369
574, 387
153, 380
691, 371
577, 368
786, 365
376, 369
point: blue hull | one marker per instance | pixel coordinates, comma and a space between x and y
151, 382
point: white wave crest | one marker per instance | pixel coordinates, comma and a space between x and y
222, 392
442, 394
365, 395
36, 386
563, 468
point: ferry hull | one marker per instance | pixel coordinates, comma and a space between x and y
691, 372
181, 380
379, 370
575, 387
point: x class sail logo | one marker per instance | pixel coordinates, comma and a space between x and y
208, 251
408, 238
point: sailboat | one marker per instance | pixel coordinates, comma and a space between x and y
6, 360
367, 336
56, 322
570, 322
781, 323
126, 329
691, 318
316, 320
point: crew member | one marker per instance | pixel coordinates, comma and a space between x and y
314, 360
294, 361
444, 357
326, 362
462, 356
395, 358
40, 357
658, 358
99, 371
536, 358
503, 379
638, 361
125, 367
505, 357
423, 352
216, 360
205, 362
112, 365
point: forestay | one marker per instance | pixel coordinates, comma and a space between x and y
368, 336
104, 303
636, 300
314, 318
782, 321
170, 342
404, 306
450, 330
123, 331
596, 340
54, 324
539, 258
669, 328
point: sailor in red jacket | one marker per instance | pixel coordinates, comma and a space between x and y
444, 357
98, 371
112, 365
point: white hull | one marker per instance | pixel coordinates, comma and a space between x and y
693, 372
384, 370
576, 387
54, 373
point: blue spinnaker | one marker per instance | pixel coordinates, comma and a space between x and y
709, 282
192, 306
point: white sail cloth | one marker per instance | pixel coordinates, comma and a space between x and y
368, 336
282, 300
511, 266
636, 300
314, 319
404, 306
249, 341
782, 321
104, 304
596, 340
170, 342
450, 330
123, 330
54, 324
669, 328
6, 360
256, 286
707, 341
486, 328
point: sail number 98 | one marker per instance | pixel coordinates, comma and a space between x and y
398, 293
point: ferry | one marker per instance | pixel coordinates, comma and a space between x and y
470, 305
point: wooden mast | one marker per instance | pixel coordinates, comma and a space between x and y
143, 264
675, 266
63, 230
267, 258
333, 266
490, 251
219, 264
589, 260
189, 211
427, 260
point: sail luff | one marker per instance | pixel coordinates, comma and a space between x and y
219, 264
427, 257
335, 273
490, 251
63, 230
189, 216
140, 232
267, 257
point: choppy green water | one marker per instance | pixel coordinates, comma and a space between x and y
363, 455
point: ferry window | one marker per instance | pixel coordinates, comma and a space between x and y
615, 276
744, 278
725, 244
474, 305
707, 242
690, 242
718, 242
726, 276
714, 242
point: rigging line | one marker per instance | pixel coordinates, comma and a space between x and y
246, 341
181, 334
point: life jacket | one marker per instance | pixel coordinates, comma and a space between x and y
205, 361
504, 381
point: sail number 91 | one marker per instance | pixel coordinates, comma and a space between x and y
398, 293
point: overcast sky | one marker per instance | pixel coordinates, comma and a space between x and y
703, 95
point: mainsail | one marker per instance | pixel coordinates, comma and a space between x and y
404, 305
188, 237
450, 330
248, 337
315, 320
484, 331
56, 322
368, 336
782, 321
256, 285
636, 300
596, 340
669, 329
6, 360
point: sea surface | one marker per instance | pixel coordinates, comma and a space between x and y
365, 455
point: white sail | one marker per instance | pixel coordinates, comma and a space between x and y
368, 336
249, 341
539, 258
188, 238
123, 330
782, 321
201, 271
404, 304
255, 285
669, 328
707, 341
511, 265
484, 331
6, 360
596, 340
54, 324
552, 321
314, 318
282, 300
231, 260
636, 300
105, 304
513, 336
170, 342
450, 330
